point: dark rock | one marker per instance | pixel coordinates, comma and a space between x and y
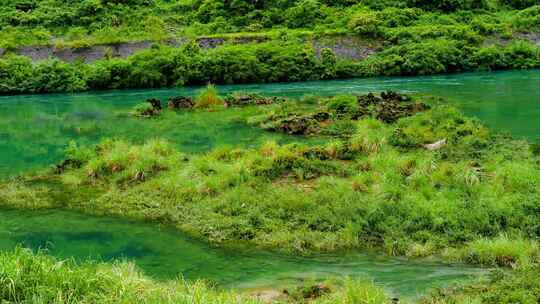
321, 116
156, 103
315, 291
180, 102
390, 107
239, 99
344, 47
86, 54
65, 164
296, 124
210, 43
124, 50
37, 53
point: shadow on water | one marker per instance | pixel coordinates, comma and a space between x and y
165, 254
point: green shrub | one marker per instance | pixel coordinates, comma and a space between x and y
445, 123
57, 76
342, 104
448, 5
520, 4
15, 74
365, 23
429, 57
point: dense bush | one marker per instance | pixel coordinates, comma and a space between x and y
163, 66
521, 4
365, 23
448, 5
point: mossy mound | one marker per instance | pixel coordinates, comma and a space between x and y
245, 99
388, 108
150, 108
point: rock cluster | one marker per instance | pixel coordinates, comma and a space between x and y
390, 106
181, 102
240, 99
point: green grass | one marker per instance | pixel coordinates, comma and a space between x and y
518, 286
27, 277
500, 251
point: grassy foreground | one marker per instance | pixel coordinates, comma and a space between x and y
396, 174
26, 277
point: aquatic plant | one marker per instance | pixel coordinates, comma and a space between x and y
144, 110
378, 184
335, 113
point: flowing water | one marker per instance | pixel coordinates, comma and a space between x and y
165, 253
34, 129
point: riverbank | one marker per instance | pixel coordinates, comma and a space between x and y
54, 281
286, 60
44, 52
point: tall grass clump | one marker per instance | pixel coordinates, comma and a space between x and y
27, 277
208, 97
119, 161
501, 251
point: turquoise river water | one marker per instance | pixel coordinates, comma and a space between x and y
34, 129
165, 253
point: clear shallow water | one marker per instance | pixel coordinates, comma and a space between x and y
34, 129
165, 253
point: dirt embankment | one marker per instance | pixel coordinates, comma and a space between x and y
344, 47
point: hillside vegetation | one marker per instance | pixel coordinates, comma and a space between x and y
412, 37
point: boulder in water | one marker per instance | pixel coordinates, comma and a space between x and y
245, 99
155, 103
180, 102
